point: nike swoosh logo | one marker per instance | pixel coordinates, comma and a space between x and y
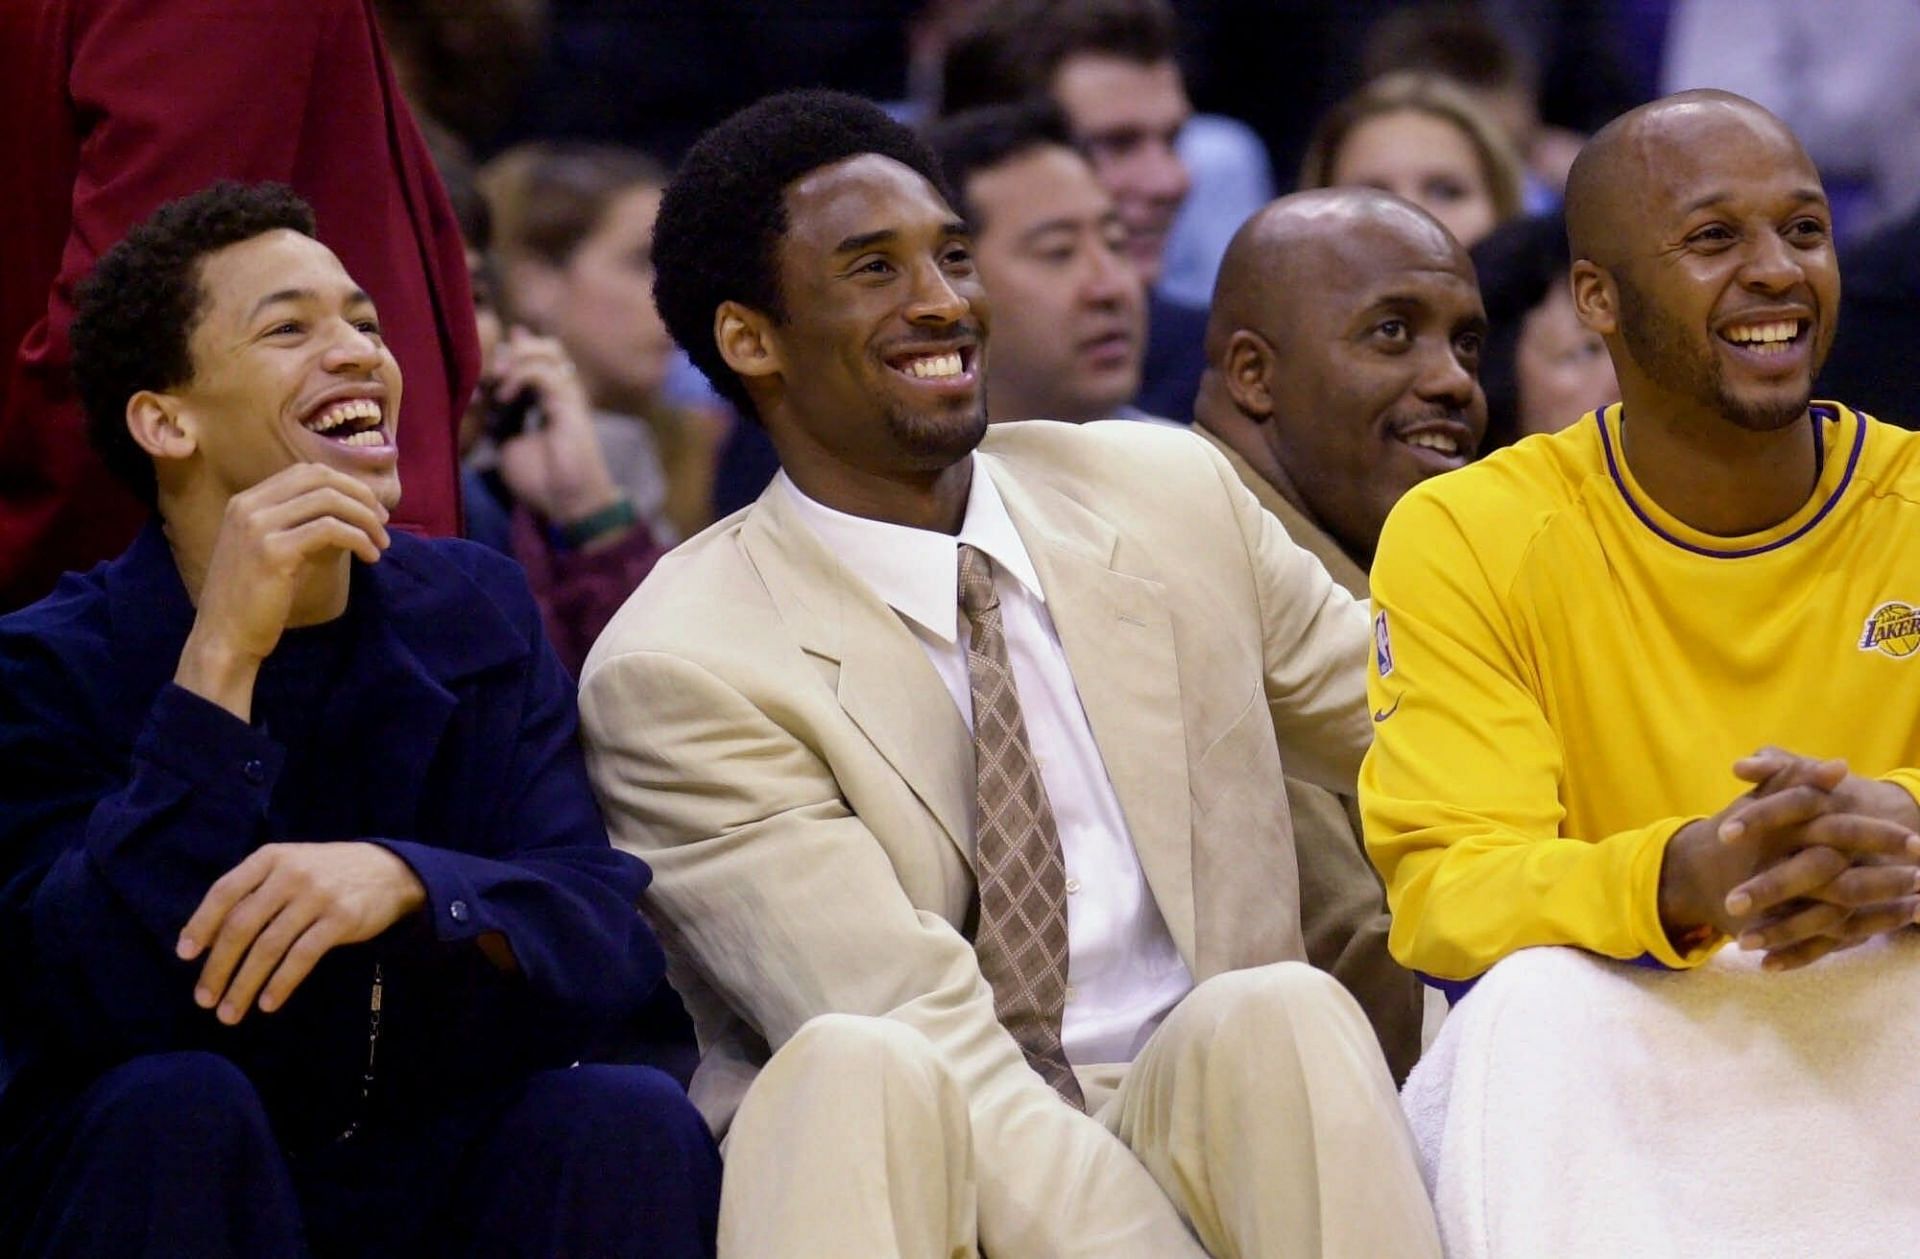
1385, 713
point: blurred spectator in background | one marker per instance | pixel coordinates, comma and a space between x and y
1873, 364
1109, 65
1422, 139
1281, 64
1226, 164
1840, 73
1542, 368
1461, 43
546, 496
112, 109
574, 228
1070, 314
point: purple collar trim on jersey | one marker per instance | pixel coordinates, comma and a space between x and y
1833, 500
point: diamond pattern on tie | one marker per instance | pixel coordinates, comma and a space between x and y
1022, 939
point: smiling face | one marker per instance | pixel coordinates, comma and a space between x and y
288, 367
1072, 309
1375, 340
1727, 286
1424, 159
876, 368
1128, 114
602, 308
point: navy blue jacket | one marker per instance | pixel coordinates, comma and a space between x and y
445, 731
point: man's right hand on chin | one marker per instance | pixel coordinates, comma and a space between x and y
270, 536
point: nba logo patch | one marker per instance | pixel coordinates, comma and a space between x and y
1892, 629
1382, 646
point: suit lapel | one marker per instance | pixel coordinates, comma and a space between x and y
1119, 642
423, 627
885, 683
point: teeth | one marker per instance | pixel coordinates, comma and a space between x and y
1433, 441
1764, 333
934, 366
368, 437
344, 413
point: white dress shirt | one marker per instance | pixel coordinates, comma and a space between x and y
1123, 971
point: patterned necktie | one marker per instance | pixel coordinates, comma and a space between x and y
1022, 939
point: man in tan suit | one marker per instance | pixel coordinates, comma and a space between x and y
1343, 355
958, 762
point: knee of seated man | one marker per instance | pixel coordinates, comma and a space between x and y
856, 1043
606, 1106
193, 1103
1262, 1000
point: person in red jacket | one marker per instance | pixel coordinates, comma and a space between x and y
115, 106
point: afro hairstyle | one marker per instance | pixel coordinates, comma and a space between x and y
724, 214
135, 312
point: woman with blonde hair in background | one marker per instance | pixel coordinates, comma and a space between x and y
1420, 138
574, 236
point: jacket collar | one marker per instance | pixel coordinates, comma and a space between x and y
1109, 610
422, 625
434, 616
1307, 535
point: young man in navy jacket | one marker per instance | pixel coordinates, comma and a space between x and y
306, 909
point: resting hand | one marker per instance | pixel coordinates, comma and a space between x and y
1820, 899
266, 923
1809, 861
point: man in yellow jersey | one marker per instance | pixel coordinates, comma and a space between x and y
1580, 644
1343, 354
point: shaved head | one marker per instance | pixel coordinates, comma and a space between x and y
1702, 247
1343, 352
1633, 160
1302, 236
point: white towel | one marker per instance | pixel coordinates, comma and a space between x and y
1577, 1107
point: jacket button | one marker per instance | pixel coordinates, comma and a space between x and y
254, 772
457, 911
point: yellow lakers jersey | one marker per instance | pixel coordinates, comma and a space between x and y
1564, 674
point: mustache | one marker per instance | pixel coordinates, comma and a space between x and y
1430, 415
961, 334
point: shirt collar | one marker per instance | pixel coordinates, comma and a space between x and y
916, 572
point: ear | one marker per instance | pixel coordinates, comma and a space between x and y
1595, 297
1247, 366
533, 291
160, 425
746, 341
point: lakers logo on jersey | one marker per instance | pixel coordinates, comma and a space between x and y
1893, 629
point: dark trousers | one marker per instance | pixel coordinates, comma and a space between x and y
173, 1155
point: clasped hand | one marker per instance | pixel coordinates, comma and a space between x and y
1813, 859
266, 923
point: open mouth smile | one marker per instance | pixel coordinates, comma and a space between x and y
355, 422
947, 370
1775, 338
1438, 446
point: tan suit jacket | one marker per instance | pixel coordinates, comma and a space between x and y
773, 739
1343, 905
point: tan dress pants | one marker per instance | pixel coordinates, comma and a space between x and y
1261, 1106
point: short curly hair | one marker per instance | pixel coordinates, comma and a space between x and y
722, 218
135, 312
